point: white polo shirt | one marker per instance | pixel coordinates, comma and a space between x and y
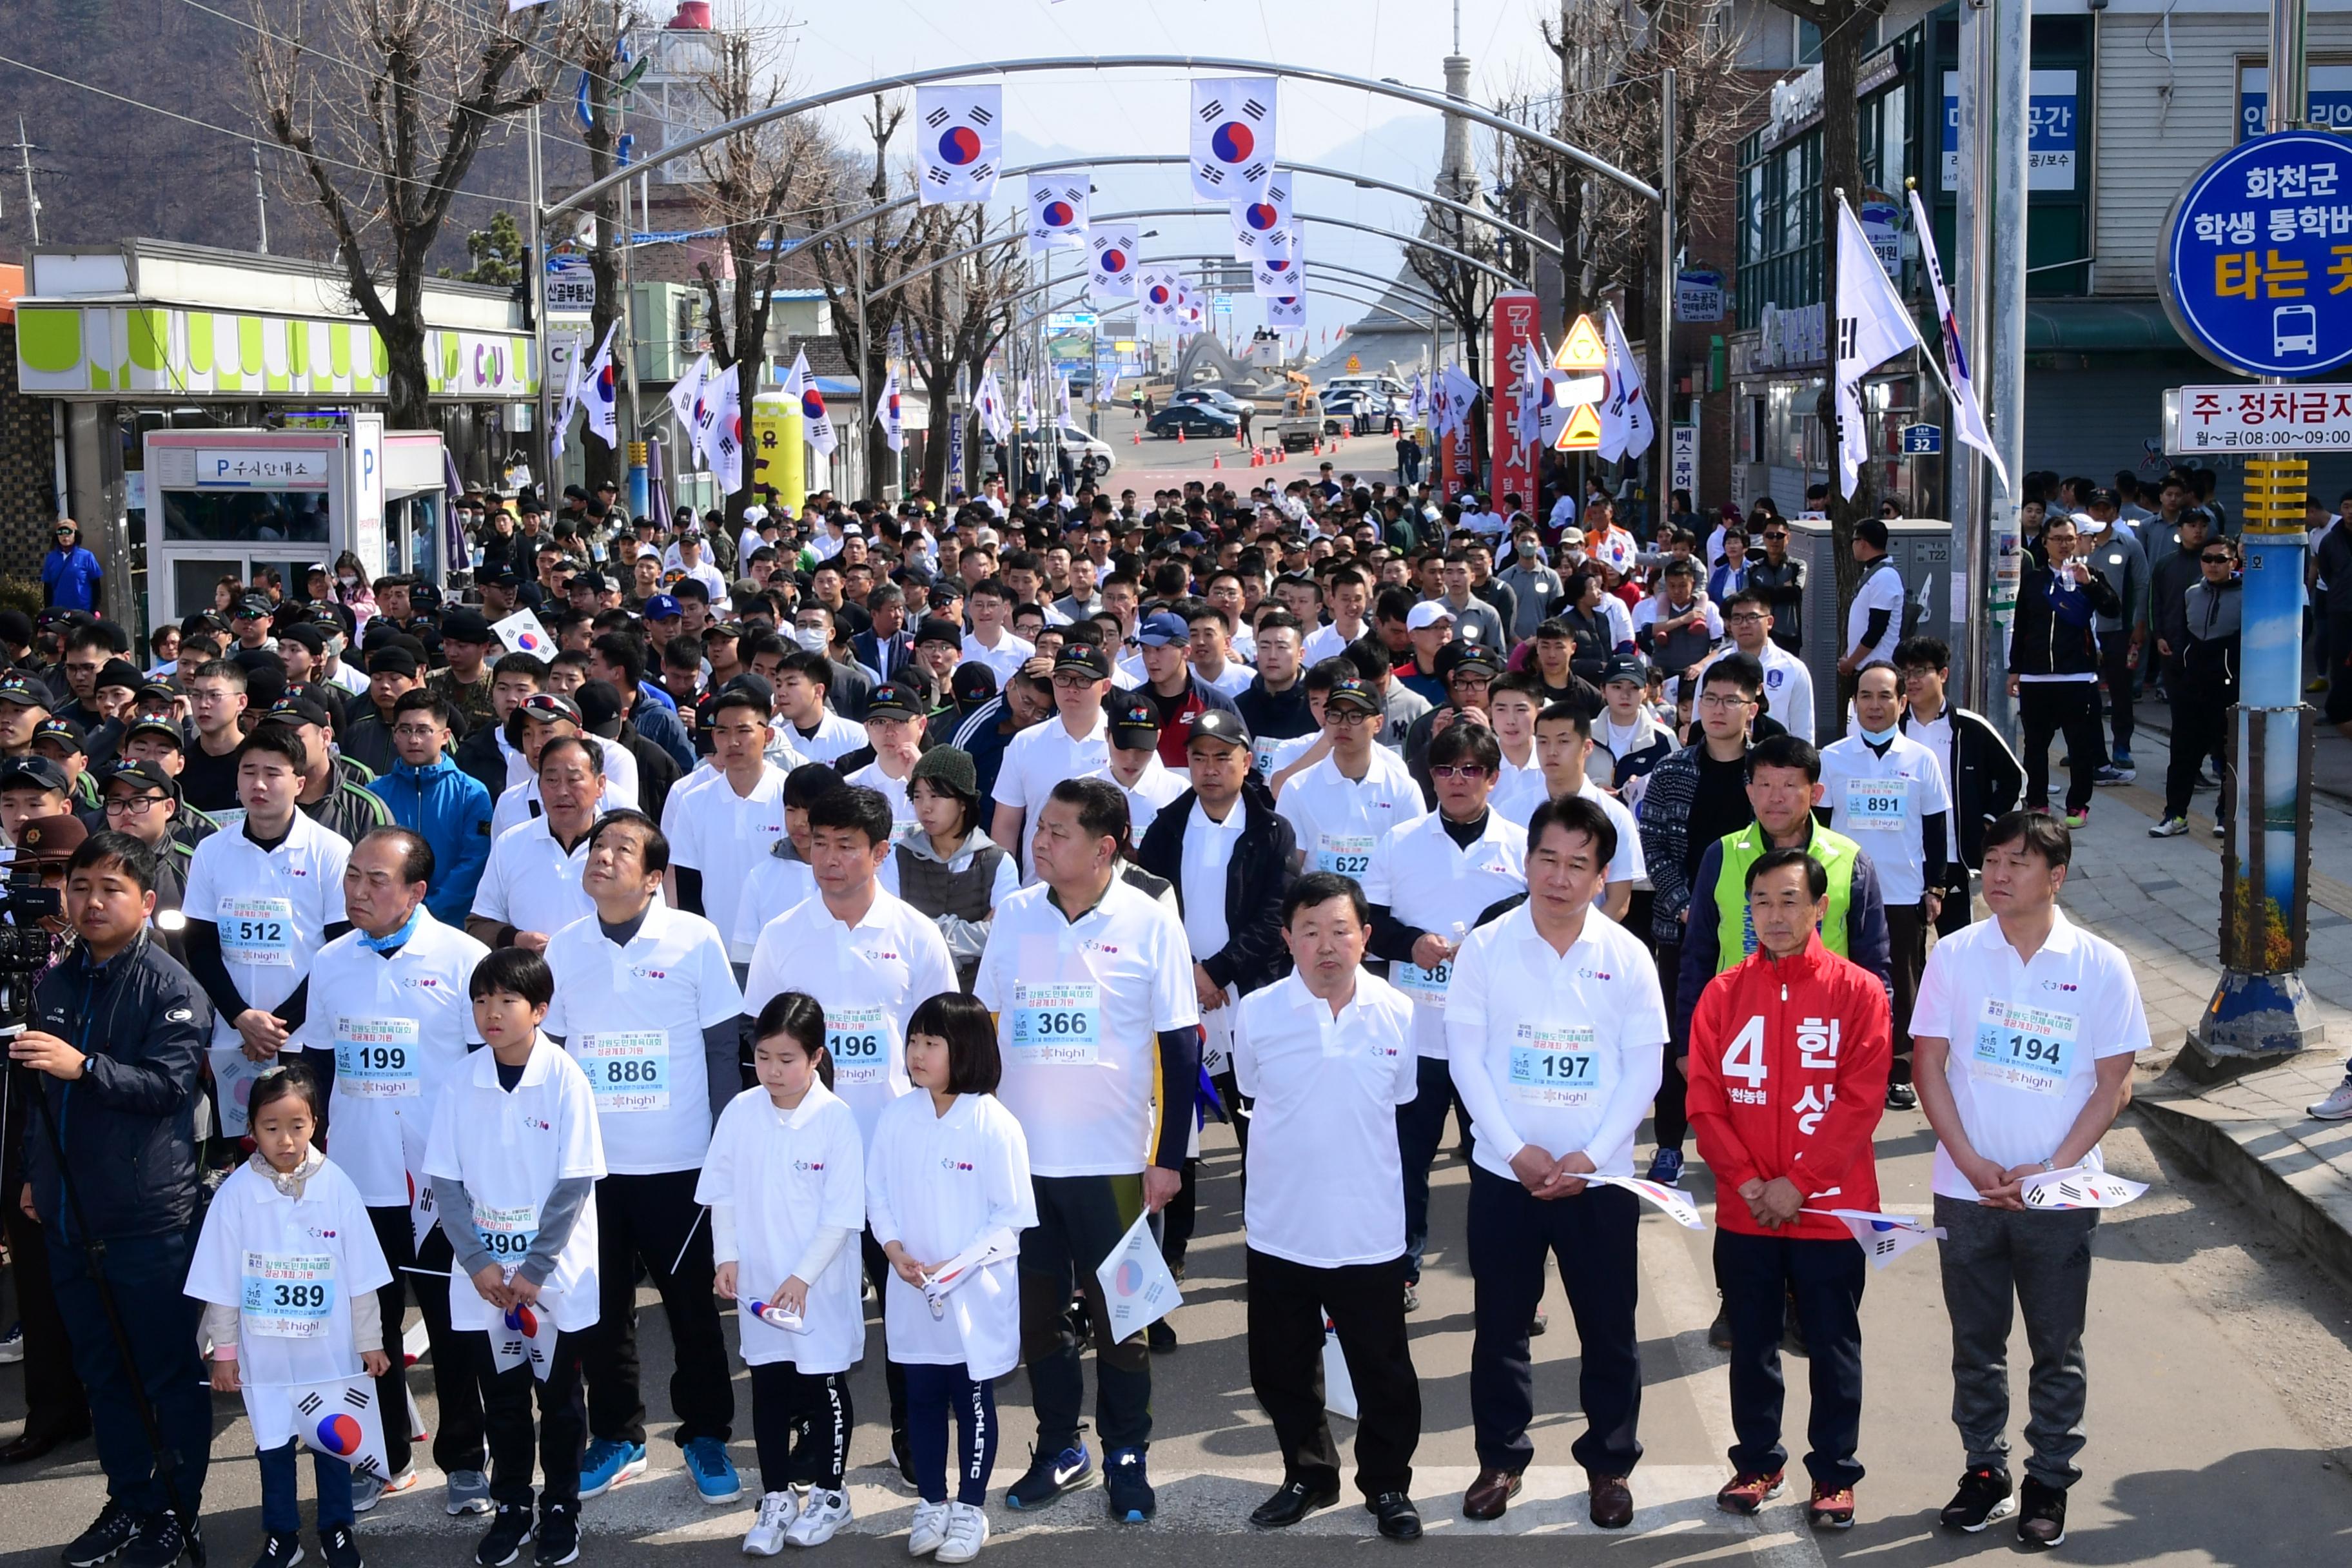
400, 1028
1326, 1184
902, 808
509, 1149
1520, 790
273, 907
1881, 588
1626, 864
1882, 804
785, 1175
723, 834
835, 737
2026, 1038
520, 803
1154, 787
1562, 1051
1337, 819
1037, 759
869, 978
1330, 642
1080, 1007
1788, 686
776, 884
1232, 680
531, 883
633, 1018
1428, 881
937, 1185
1005, 658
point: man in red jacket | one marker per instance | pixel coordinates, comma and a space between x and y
1788, 1058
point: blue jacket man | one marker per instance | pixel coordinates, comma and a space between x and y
429, 795
69, 572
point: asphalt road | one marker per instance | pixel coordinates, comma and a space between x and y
2221, 1420
1154, 464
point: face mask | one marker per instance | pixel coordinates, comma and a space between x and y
1875, 736
812, 638
348, 582
1527, 547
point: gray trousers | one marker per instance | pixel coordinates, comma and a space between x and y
1996, 1261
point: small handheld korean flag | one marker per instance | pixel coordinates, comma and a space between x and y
1884, 1236
1873, 325
1263, 224
601, 393
1338, 1387
1274, 277
687, 401
1111, 258
1057, 209
959, 142
998, 1246
1136, 1284
340, 1419
1672, 1202
1289, 313
1233, 137
2079, 1187
891, 416
724, 443
526, 1333
522, 633
817, 425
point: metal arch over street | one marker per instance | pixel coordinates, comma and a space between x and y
1329, 289
1219, 63
1322, 269
817, 236
1414, 241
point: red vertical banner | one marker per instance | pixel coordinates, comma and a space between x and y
1516, 329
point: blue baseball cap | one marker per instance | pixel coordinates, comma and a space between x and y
1162, 630
662, 607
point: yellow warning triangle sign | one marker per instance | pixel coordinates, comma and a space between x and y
1583, 348
1583, 433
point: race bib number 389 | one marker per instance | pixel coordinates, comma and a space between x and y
288, 1296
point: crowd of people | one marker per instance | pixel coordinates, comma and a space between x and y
884, 896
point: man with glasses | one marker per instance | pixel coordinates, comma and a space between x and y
1469, 671
432, 798
1782, 579
1427, 883
1788, 685
1075, 744
1341, 805
217, 700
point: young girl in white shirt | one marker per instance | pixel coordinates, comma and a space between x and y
786, 1180
288, 1268
948, 1168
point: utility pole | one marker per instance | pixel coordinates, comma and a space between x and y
1662, 390
32, 198
260, 201
535, 280
1998, 182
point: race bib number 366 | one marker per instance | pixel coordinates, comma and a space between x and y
1057, 1024
628, 1071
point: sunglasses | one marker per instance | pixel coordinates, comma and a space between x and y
2218, 560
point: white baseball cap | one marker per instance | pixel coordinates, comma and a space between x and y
1428, 612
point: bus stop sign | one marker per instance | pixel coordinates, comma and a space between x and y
2258, 256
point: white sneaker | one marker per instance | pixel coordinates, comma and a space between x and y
824, 1513
967, 1533
930, 1529
2338, 1105
779, 1512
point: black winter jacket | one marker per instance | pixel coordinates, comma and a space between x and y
1256, 879
2056, 631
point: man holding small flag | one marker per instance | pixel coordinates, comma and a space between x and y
1789, 1057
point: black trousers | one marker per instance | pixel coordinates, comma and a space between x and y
2115, 666
801, 1422
458, 1436
1079, 1220
1366, 1303
147, 1276
2339, 664
1668, 1117
1178, 1220
563, 1432
54, 1400
1592, 1238
1760, 1276
2050, 708
893, 1377
649, 1218
1421, 1128
1906, 953
2201, 729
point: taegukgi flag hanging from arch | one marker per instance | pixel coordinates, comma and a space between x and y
959, 141
1263, 223
1156, 290
1057, 209
1233, 137
1111, 261
1289, 312
892, 417
1274, 277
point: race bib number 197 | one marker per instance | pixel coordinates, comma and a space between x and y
1555, 1066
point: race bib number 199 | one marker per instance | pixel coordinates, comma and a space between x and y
375, 1058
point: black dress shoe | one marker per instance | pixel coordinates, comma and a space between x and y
37, 1445
1400, 1521
1293, 1502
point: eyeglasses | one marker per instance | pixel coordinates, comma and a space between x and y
1724, 699
415, 732
134, 805
1749, 619
1344, 718
1460, 771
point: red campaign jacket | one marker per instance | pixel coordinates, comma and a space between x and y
1788, 1061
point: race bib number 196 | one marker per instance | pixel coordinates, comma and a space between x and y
859, 1043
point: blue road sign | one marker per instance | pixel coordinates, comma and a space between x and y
2258, 256
1921, 440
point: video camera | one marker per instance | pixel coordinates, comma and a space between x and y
26, 945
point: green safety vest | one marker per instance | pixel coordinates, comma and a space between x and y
1734, 930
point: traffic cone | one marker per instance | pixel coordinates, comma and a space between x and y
1318, 446
1217, 459
1137, 439
1180, 435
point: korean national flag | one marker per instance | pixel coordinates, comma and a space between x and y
1277, 277
1057, 210
526, 1333
1289, 312
1156, 291
1111, 259
1233, 137
340, 1419
600, 392
1263, 223
817, 425
959, 142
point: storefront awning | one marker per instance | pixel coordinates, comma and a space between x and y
2092, 326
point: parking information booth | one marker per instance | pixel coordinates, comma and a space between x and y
225, 502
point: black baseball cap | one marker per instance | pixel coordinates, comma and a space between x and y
253, 607
1216, 724
549, 708
24, 691
292, 708
1354, 695
466, 626
894, 699
65, 731
143, 776
1133, 723
1625, 667
1083, 659
164, 729
34, 772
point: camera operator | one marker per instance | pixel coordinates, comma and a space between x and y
57, 1412
117, 1036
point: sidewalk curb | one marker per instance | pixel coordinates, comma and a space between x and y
2313, 1207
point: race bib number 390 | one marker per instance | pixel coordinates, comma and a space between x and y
506, 1234
1555, 1066
375, 1058
258, 931
1057, 1023
629, 1071
2031, 1048
288, 1296
860, 1043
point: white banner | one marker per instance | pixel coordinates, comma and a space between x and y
1873, 326
1057, 209
1233, 137
2304, 417
1263, 224
959, 142
1111, 260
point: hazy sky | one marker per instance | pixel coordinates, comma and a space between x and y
1134, 112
